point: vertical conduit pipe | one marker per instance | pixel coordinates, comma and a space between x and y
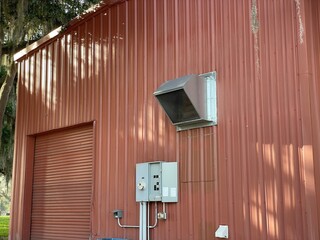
148, 220
143, 221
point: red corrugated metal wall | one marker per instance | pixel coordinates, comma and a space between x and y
314, 78
257, 171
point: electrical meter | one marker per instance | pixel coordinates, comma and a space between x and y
157, 181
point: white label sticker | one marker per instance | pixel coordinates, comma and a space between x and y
173, 192
165, 191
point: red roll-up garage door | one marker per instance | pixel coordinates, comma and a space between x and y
62, 184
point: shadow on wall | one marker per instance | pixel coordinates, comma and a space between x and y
108, 74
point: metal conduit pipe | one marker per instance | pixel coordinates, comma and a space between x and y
126, 226
136, 226
155, 216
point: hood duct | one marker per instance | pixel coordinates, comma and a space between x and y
189, 101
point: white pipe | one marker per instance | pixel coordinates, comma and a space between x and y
145, 225
143, 222
148, 220
133, 226
140, 222
126, 226
155, 216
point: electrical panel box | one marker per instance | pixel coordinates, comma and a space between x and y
157, 181
170, 182
142, 179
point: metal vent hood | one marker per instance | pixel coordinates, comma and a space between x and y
189, 101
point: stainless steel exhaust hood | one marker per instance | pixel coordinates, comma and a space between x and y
189, 101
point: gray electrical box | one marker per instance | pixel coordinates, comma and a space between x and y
157, 181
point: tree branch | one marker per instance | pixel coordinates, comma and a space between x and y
9, 48
5, 92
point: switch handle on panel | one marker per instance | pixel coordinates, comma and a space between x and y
141, 185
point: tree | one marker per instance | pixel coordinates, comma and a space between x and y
21, 23
5, 195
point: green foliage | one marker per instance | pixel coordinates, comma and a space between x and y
4, 226
43, 16
3, 73
36, 18
7, 137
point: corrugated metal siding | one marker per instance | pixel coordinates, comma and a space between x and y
62, 185
314, 35
257, 171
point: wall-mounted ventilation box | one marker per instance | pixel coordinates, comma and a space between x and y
190, 101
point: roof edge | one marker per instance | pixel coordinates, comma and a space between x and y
94, 9
36, 44
58, 30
